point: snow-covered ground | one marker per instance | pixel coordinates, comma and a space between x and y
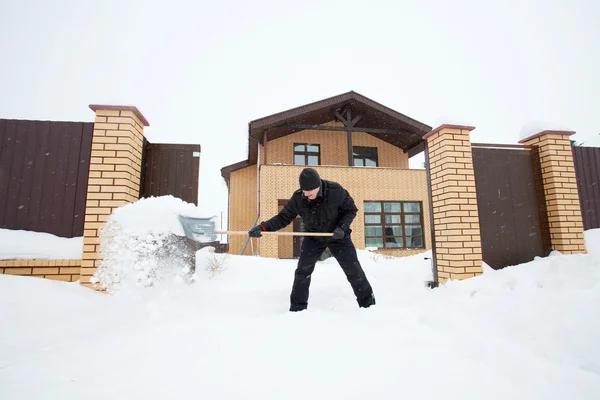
26, 245
525, 332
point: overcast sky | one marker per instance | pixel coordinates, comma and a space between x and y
200, 71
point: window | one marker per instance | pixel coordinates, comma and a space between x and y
394, 224
365, 156
307, 154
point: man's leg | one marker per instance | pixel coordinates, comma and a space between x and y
345, 253
309, 254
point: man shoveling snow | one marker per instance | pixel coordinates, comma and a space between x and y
324, 206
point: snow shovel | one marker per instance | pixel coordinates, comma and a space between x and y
203, 230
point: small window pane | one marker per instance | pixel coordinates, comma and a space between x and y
391, 207
412, 218
392, 219
373, 231
414, 241
370, 152
299, 147
374, 242
413, 230
299, 160
359, 162
412, 207
372, 219
371, 206
313, 160
394, 242
393, 230
312, 148
370, 163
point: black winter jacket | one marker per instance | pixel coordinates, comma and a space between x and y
333, 207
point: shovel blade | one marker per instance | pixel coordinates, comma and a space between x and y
199, 229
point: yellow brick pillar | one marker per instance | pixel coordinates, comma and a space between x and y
457, 238
560, 190
115, 172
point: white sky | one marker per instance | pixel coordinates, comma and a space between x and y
200, 71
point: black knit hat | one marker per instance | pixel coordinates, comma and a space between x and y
309, 179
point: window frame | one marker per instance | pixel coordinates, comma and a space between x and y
307, 153
402, 223
354, 158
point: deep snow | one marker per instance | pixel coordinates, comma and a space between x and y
526, 332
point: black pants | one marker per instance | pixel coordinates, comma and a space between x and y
345, 253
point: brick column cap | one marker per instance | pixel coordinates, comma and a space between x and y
96, 107
546, 132
447, 126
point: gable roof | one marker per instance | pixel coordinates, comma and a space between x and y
383, 122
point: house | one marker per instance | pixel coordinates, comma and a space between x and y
350, 139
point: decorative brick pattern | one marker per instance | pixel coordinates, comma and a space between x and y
62, 270
115, 172
456, 219
560, 189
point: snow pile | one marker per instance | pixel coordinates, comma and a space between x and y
141, 244
533, 127
26, 245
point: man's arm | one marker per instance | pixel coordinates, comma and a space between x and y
348, 211
283, 219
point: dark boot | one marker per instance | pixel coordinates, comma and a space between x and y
367, 302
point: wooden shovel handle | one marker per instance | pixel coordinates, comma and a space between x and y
277, 233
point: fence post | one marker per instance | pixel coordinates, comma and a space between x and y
560, 189
114, 179
457, 248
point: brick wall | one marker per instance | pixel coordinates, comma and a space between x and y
62, 270
115, 171
454, 198
560, 188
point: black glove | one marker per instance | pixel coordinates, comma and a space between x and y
256, 231
339, 233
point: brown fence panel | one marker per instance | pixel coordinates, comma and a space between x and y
509, 207
171, 169
44, 168
587, 169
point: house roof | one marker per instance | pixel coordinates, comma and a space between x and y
383, 122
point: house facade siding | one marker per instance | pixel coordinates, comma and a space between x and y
334, 148
242, 206
390, 181
364, 184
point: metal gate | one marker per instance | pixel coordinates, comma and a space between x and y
587, 169
171, 169
511, 204
44, 170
